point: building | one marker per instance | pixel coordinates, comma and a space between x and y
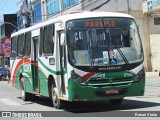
7, 26
34, 8
151, 11
54, 8
37, 14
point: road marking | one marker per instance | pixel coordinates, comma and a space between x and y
9, 102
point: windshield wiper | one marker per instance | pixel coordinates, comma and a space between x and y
110, 45
93, 56
93, 48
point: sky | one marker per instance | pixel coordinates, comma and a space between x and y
8, 7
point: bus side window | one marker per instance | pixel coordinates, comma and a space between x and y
116, 39
21, 45
48, 46
126, 37
27, 47
14, 47
41, 42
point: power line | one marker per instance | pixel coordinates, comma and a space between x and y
19, 2
1, 3
10, 24
100, 5
4, 4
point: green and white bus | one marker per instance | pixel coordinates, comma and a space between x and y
86, 56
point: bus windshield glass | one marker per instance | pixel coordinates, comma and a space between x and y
103, 42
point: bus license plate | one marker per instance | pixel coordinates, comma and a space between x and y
112, 91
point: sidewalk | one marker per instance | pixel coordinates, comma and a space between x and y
152, 86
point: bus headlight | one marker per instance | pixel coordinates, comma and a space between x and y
139, 75
76, 77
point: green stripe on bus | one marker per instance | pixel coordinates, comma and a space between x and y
50, 70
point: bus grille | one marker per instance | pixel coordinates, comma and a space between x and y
110, 81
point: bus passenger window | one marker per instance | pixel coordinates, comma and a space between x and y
126, 37
48, 45
20, 45
14, 47
41, 41
27, 48
116, 39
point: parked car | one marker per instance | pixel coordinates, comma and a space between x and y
3, 73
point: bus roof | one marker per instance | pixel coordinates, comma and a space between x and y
72, 16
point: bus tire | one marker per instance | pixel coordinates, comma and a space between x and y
57, 103
51, 82
25, 96
116, 101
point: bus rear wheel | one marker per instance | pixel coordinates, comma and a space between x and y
116, 101
57, 103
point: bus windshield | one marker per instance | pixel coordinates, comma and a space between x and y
103, 42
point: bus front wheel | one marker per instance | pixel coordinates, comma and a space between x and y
24, 94
116, 101
56, 101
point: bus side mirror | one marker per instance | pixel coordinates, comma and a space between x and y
63, 39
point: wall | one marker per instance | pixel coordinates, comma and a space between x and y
154, 29
113, 5
155, 51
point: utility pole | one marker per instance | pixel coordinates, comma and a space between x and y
116, 5
128, 6
44, 10
61, 6
147, 48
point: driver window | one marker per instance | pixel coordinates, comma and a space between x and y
126, 37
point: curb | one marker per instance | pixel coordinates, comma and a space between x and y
152, 92
154, 95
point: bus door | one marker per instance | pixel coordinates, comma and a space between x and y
35, 64
63, 64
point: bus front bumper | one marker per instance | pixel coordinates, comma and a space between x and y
78, 92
